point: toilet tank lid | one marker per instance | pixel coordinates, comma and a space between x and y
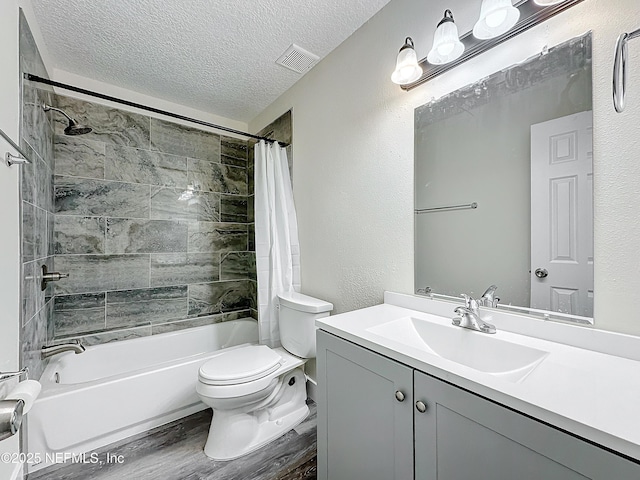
304, 303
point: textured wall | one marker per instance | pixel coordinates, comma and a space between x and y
353, 179
151, 224
37, 206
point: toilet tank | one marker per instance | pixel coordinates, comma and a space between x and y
297, 318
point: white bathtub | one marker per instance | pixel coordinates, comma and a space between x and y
119, 389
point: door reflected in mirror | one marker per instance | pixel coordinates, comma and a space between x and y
517, 145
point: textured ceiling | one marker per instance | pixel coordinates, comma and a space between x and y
214, 55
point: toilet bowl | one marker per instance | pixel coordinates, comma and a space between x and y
259, 393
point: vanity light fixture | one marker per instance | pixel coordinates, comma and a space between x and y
407, 68
496, 17
447, 46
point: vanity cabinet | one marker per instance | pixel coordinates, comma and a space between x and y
438, 431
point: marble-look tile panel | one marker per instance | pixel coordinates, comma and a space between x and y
251, 234
78, 156
251, 202
145, 236
185, 141
97, 273
251, 180
215, 177
51, 219
233, 208
28, 232
80, 302
74, 234
78, 322
219, 297
108, 337
33, 338
217, 237
184, 204
41, 233
198, 322
135, 165
30, 290
79, 196
36, 181
234, 151
238, 266
184, 268
147, 306
36, 129
110, 125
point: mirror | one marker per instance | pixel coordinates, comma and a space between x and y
503, 186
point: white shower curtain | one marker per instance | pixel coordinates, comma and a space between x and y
277, 247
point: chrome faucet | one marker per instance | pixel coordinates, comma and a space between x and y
489, 298
470, 317
74, 346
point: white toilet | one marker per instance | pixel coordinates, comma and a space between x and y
257, 393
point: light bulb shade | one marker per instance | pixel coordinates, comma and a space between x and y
446, 42
496, 17
544, 3
407, 68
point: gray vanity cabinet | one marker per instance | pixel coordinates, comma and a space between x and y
441, 430
365, 414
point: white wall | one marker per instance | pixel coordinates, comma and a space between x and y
9, 216
353, 145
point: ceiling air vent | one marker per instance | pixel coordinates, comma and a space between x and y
297, 59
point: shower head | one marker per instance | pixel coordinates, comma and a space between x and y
74, 127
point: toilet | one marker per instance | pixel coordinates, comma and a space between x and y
259, 393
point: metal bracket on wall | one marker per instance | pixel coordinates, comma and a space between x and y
12, 159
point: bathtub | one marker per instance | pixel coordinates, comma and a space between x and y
116, 390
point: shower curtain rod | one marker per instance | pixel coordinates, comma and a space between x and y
46, 81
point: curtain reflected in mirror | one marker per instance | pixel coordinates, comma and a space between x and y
517, 145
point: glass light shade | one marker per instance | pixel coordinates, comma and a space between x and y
407, 68
547, 2
496, 17
446, 42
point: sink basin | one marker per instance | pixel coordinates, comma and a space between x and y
479, 351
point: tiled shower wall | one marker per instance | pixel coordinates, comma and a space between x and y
36, 206
151, 224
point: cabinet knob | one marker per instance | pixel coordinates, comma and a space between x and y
421, 406
400, 396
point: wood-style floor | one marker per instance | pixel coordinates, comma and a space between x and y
174, 452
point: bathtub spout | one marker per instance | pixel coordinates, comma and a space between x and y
75, 346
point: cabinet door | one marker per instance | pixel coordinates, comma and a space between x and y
364, 431
462, 436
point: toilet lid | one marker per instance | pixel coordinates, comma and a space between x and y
240, 365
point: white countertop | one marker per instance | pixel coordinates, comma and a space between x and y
592, 394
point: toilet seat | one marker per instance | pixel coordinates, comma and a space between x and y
240, 365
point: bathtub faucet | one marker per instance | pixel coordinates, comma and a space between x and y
74, 345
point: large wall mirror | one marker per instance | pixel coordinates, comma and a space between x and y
503, 186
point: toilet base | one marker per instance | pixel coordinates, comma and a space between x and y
236, 433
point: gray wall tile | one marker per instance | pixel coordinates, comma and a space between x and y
210, 298
238, 265
179, 204
79, 157
178, 139
111, 336
215, 177
198, 322
183, 268
74, 234
146, 306
145, 236
217, 237
74, 322
79, 196
144, 166
97, 273
78, 302
110, 125
233, 151
233, 208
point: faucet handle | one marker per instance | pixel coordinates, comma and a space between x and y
470, 302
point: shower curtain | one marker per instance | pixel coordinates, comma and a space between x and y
277, 247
